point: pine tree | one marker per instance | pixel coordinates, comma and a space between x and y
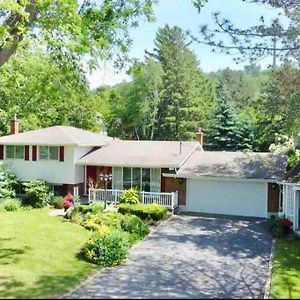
223, 131
187, 95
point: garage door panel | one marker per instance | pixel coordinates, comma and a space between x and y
227, 197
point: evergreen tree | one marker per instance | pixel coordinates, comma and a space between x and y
187, 95
223, 129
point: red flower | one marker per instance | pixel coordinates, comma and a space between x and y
286, 223
69, 197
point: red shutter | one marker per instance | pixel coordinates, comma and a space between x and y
26, 152
34, 153
1, 152
61, 153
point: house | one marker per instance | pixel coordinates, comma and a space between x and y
291, 197
233, 183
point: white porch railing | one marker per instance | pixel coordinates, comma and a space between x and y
169, 200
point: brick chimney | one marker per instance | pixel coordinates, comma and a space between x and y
14, 125
199, 137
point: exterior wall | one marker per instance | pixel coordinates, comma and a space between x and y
273, 197
170, 184
69, 188
79, 169
241, 198
54, 172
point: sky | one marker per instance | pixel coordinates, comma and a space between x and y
183, 14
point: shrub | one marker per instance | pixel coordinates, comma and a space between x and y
106, 247
85, 210
37, 192
57, 202
10, 205
95, 221
8, 184
149, 212
134, 225
280, 226
130, 196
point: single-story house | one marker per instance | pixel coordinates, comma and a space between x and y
233, 183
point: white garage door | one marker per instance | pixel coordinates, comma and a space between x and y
227, 197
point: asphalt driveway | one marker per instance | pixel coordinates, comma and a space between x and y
191, 257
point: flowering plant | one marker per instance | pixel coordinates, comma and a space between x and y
286, 223
69, 201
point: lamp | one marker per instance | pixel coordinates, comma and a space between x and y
106, 178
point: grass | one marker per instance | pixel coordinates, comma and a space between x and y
38, 254
285, 282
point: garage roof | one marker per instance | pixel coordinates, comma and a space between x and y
234, 165
151, 154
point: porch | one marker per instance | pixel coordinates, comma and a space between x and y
169, 200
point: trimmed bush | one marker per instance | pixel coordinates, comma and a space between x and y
37, 192
148, 212
94, 222
57, 202
130, 196
134, 225
10, 205
106, 248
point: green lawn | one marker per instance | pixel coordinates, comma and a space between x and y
38, 254
286, 270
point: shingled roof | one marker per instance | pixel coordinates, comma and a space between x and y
234, 165
57, 135
151, 154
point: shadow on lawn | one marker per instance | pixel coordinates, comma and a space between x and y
47, 286
10, 255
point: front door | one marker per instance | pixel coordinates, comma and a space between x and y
91, 176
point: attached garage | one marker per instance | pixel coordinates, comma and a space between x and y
229, 197
232, 183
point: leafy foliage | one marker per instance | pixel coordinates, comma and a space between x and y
149, 212
57, 202
44, 93
130, 196
106, 248
37, 193
8, 183
10, 205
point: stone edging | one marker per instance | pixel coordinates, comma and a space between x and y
270, 267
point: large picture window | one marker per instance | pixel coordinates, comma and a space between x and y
48, 153
144, 179
15, 152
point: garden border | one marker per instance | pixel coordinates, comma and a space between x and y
91, 277
270, 268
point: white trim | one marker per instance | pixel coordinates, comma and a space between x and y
221, 178
267, 198
187, 157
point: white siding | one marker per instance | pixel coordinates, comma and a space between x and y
241, 198
79, 169
55, 172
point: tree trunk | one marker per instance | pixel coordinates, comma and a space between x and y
13, 22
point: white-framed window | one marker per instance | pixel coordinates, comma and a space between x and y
145, 179
48, 153
15, 152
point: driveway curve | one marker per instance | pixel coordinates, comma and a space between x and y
190, 257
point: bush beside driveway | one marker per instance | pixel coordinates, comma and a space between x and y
191, 257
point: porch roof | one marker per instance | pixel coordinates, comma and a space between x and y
150, 154
243, 165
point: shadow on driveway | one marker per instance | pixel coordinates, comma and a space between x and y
191, 257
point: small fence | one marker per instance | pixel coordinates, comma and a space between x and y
169, 200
